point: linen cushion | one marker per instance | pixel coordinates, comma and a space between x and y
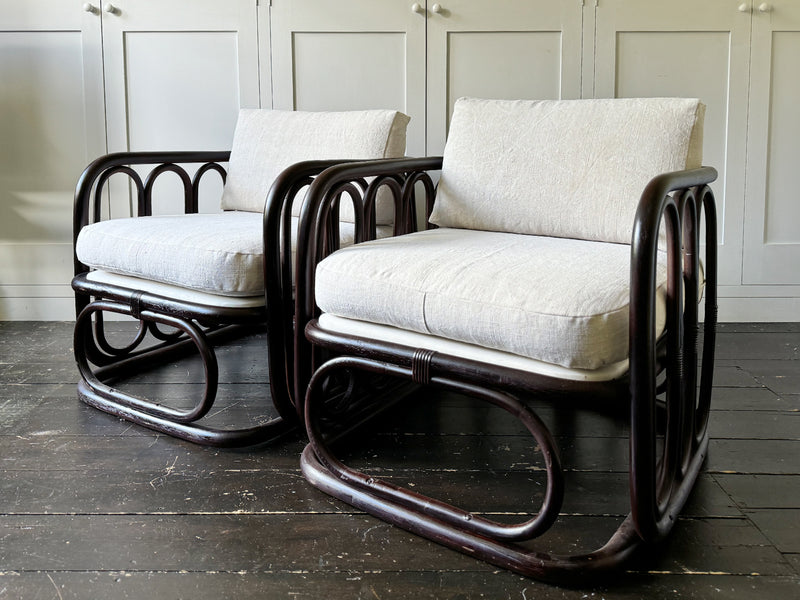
267, 141
566, 168
561, 301
213, 253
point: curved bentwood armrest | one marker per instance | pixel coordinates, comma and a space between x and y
664, 460
278, 270
659, 487
402, 176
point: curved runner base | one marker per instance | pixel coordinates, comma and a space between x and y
95, 387
192, 432
564, 570
496, 543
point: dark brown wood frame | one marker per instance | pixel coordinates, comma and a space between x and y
194, 326
661, 382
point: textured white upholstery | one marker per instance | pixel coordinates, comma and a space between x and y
212, 253
267, 141
570, 168
555, 300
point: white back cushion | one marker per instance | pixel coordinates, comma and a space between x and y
563, 168
267, 141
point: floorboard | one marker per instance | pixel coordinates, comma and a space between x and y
94, 507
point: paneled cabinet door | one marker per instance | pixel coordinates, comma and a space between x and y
695, 49
512, 49
176, 74
351, 55
51, 123
772, 214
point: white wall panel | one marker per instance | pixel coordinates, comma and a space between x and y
490, 64
51, 124
772, 227
176, 75
355, 55
685, 48
374, 75
527, 49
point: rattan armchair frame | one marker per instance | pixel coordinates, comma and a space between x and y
191, 327
668, 407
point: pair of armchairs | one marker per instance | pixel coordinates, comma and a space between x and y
561, 257
194, 279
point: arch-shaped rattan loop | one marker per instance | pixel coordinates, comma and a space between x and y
105, 350
145, 206
100, 188
197, 179
409, 197
370, 203
328, 216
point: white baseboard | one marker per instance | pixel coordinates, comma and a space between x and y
37, 309
759, 310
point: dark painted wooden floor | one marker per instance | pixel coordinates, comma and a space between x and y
92, 507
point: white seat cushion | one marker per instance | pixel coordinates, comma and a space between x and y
555, 300
566, 168
213, 253
267, 141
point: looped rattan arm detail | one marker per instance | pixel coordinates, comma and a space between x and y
92, 181
197, 178
100, 188
145, 206
279, 277
660, 485
327, 221
409, 196
394, 184
311, 241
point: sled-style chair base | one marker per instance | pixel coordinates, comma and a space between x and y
462, 530
578, 277
187, 338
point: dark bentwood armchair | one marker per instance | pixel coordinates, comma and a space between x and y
562, 259
192, 279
